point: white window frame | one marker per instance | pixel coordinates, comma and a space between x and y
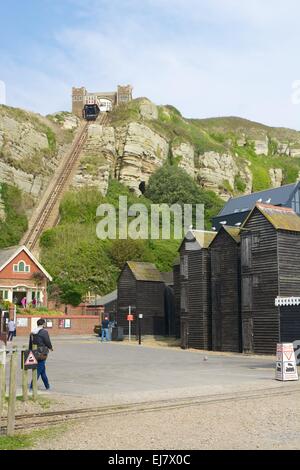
26, 267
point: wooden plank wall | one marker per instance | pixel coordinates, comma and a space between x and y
259, 284
225, 285
176, 274
195, 287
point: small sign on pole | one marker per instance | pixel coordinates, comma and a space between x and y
129, 319
29, 360
286, 367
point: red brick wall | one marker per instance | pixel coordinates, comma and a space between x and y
83, 325
82, 309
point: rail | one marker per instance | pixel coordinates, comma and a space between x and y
52, 418
43, 215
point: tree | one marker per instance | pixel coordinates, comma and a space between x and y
171, 184
129, 250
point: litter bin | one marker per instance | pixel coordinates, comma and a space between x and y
117, 333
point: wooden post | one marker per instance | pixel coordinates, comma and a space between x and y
24, 378
12, 394
34, 379
2, 379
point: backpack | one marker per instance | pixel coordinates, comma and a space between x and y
41, 353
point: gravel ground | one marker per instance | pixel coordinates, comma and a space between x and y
264, 423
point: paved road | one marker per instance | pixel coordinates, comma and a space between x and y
118, 372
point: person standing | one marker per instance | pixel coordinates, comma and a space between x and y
11, 330
40, 338
24, 302
105, 325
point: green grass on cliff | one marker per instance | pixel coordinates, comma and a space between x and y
15, 222
221, 135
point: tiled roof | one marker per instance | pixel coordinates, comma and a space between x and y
274, 196
144, 271
7, 253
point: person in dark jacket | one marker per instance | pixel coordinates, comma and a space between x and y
105, 325
40, 338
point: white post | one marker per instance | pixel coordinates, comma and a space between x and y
129, 325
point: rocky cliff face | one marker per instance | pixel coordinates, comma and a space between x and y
139, 142
229, 156
31, 147
130, 154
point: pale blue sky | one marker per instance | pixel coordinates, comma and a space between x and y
206, 57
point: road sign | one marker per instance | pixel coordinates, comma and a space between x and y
286, 368
29, 360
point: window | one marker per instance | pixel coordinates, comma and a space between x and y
21, 267
4, 294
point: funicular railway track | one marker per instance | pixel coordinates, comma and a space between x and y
45, 217
45, 212
52, 418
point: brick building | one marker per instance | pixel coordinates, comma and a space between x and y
80, 97
22, 275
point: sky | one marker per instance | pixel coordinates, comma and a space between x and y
208, 58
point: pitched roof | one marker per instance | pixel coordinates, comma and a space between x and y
8, 254
176, 261
105, 299
275, 196
234, 232
168, 278
202, 237
144, 271
282, 218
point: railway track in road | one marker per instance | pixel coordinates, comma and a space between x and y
52, 418
43, 215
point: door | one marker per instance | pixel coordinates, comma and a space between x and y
248, 335
184, 334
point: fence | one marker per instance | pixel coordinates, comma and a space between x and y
9, 360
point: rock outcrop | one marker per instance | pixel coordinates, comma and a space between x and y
216, 172
262, 146
31, 147
67, 121
148, 110
98, 159
141, 152
276, 176
185, 154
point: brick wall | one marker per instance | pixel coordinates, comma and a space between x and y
83, 325
82, 309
